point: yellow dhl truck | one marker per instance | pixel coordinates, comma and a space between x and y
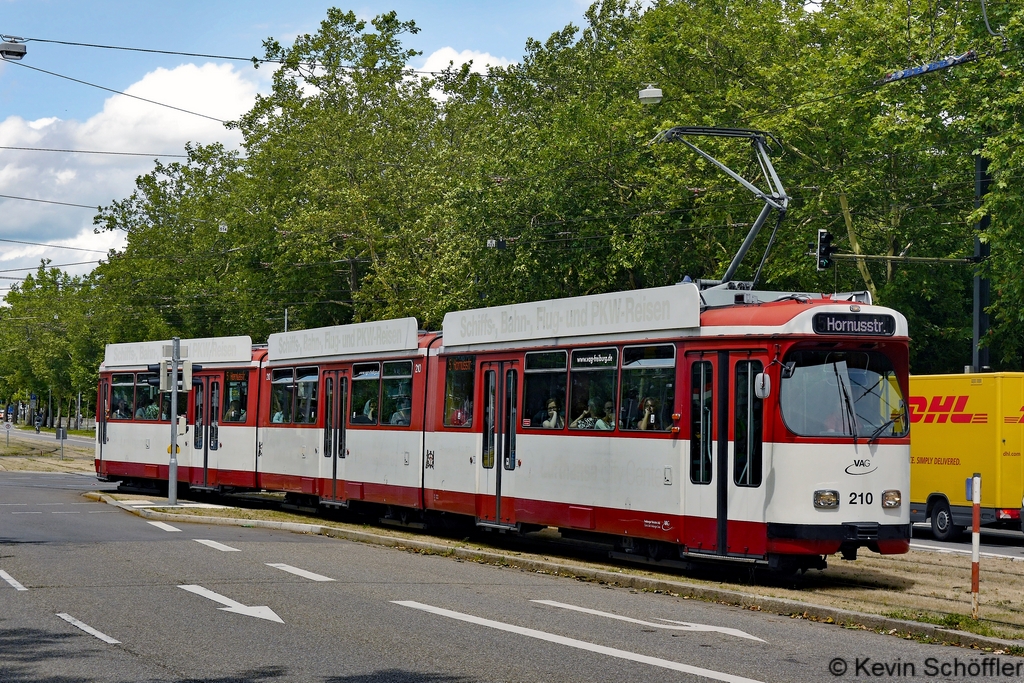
959, 425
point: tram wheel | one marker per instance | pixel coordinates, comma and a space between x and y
943, 528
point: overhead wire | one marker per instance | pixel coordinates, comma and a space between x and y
91, 151
116, 92
51, 201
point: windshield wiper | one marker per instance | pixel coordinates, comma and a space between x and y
878, 432
850, 414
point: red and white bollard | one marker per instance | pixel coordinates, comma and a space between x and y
975, 541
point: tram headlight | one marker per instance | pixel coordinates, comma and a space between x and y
891, 499
825, 500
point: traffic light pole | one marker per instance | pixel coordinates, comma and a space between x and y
982, 297
172, 470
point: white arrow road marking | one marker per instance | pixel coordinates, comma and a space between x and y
580, 644
88, 629
680, 625
299, 572
261, 612
10, 579
165, 527
217, 546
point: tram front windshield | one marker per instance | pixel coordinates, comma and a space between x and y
842, 394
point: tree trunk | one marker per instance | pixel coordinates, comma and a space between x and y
862, 265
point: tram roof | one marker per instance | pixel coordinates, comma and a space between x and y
206, 350
381, 336
636, 311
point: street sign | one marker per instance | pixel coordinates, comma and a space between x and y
8, 426
61, 433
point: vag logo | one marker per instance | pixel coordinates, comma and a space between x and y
943, 409
861, 467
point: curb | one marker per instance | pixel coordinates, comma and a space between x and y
750, 601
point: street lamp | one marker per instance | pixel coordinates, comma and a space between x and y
650, 95
10, 48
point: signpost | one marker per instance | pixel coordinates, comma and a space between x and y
62, 434
172, 472
7, 428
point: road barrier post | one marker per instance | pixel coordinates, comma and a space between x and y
975, 541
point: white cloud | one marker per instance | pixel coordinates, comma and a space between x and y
124, 125
439, 60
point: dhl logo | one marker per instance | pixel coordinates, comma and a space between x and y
1015, 419
944, 409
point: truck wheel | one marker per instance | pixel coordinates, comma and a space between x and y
943, 528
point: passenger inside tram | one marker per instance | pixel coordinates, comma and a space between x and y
234, 413
649, 418
369, 414
589, 417
550, 418
607, 419
401, 415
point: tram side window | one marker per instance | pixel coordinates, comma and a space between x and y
396, 406
458, 391
365, 393
236, 396
307, 380
648, 387
701, 403
747, 426
282, 395
122, 397
147, 397
544, 383
592, 386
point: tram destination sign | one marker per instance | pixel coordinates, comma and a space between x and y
869, 324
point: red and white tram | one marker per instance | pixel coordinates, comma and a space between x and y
724, 424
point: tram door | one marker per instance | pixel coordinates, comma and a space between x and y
725, 458
495, 504
332, 471
101, 415
205, 430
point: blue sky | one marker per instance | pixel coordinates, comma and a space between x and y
39, 110
229, 28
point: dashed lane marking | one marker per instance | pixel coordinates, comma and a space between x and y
580, 644
299, 572
673, 625
88, 629
217, 546
165, 527
10, 579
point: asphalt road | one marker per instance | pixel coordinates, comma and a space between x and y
994, 543
77, 575
50, 438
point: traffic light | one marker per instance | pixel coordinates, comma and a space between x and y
165, 375
825, 250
